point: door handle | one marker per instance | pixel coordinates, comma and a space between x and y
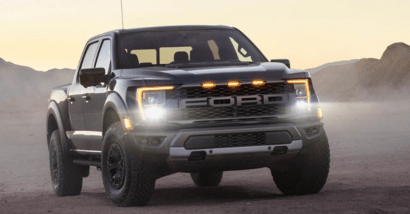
86, 97
71, 99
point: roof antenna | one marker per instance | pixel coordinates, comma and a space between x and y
122, 17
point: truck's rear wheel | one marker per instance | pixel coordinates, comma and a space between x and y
207, 179
66, 177
127, 180
306, 173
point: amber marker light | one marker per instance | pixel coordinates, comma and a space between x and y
234, 83
306, 83
319, 113
127, 123
258, 82
140, 93
208, 85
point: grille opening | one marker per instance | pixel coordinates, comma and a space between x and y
239, 140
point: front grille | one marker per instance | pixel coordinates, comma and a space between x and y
236, 112
209, 112
238, 140
223, 90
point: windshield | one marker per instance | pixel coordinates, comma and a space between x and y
143, 49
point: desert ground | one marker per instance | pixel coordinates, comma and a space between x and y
369, 172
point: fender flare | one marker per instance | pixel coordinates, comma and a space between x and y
115, 102
53, 110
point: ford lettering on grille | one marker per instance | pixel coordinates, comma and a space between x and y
235, 100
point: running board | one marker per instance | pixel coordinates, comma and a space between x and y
87, 162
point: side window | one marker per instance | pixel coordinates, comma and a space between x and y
104, 56
241, 52
89, 55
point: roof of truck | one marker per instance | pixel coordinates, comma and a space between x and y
164, 28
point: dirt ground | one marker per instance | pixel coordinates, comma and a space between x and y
370, 171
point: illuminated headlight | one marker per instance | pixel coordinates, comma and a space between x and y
151, 101
302, 92
153, 98
155, 113
301, 105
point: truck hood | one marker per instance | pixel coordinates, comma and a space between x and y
164, 75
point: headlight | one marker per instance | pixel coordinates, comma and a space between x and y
302, 92
150, 101
153, 98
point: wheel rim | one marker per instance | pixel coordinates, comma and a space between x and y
54, 166
115, 166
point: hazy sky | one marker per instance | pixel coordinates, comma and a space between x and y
46, 34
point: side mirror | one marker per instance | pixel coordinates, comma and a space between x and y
92, 76
284, 61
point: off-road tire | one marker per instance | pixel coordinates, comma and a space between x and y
138, 183
207, 179
307, 172
66, 177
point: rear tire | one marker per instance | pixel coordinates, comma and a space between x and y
66, 177
306, 173
207, 179
127, 180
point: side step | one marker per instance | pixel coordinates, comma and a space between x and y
87, 162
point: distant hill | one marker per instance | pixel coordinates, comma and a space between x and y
330, 64
367, 79
20, 82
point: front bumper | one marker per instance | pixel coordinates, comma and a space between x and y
174, 154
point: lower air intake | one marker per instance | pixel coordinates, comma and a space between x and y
238, 140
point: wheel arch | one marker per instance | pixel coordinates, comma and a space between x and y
54, 122
114, 111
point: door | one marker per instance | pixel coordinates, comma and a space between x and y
76, 100
95, 99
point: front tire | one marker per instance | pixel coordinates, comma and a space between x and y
207, 179
128, 181
66, 177
306, 173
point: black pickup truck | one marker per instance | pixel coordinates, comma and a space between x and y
149, 102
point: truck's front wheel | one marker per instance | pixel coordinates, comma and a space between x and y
127, 180
66, 177
306, 173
